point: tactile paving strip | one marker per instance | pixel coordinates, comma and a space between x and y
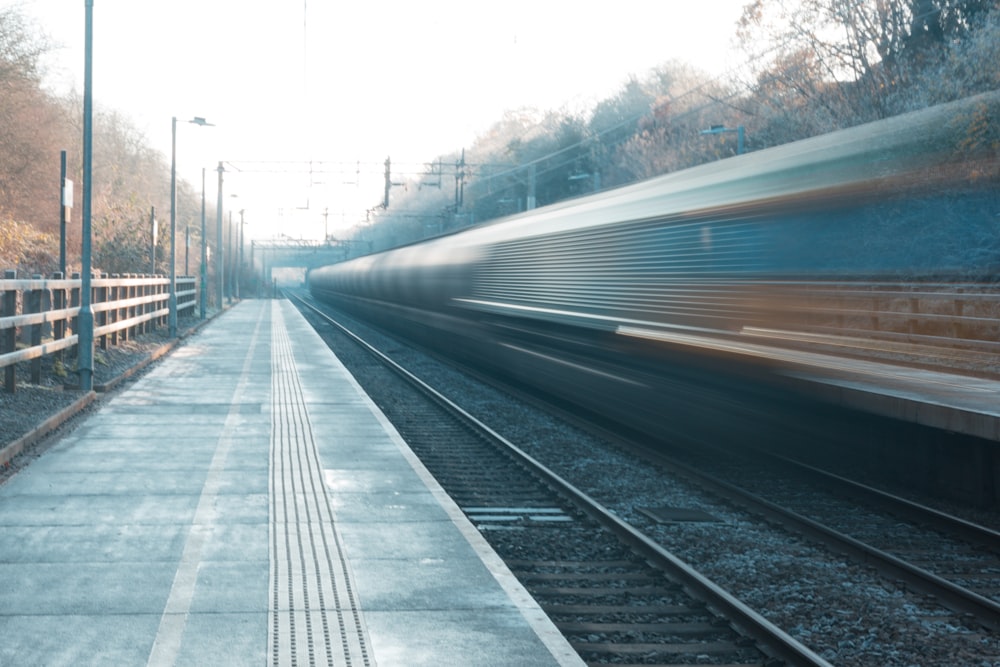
314, 616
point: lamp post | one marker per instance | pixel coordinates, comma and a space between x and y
232, 235
220, 266
241, 233
229, 250
172, 318
152, 240
203, 287
85, 319
719, 129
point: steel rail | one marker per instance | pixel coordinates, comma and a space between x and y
911, 510
949, 594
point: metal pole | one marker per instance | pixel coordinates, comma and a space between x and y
172, 318
85, 345
152, 240
229, 249
740, 133
62, 212
241, 236
461, 188
388, 182
204, 253
529, 203
219, 267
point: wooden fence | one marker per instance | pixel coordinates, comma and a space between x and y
38, 317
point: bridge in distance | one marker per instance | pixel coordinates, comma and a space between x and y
266, 255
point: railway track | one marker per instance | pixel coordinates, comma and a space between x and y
615, 593
948, 558
929, 551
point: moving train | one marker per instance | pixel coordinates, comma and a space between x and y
603, 300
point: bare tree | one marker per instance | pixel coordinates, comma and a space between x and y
860, 54
21, 47
667, 136
30, 127
968, 66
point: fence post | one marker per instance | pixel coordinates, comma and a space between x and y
33, 304
127, 333
125, 292
58, 303
160, 291
100, 295
113, 314
9, 340
152, 290
74, 302
145, 290
131, 311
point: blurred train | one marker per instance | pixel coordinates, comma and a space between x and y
602, 300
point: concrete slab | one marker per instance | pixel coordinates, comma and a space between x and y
94, 543
430, 583
225, 639
81, 588
496, 638
387, 508
94, 510
69, 640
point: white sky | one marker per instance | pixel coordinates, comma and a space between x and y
346, 80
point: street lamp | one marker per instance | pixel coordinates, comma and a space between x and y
172, 318
220, 255
85, 319
240, 233
719, 129
230, 250
203, 285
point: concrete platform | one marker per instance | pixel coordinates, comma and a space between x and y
246, 503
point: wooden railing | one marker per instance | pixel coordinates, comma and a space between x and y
38, 317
